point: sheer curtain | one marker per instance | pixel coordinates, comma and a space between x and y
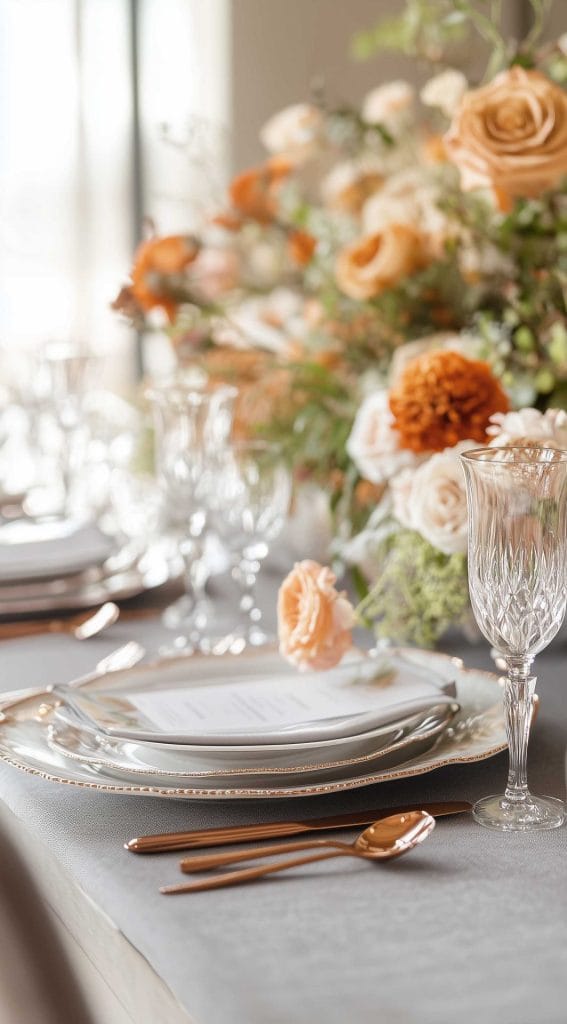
81, 157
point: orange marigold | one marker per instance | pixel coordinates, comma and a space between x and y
442, 398
154, 261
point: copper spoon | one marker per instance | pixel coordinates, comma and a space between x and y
390, 837
82, 627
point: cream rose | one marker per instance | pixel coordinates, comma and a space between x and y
433, 500
351, 182
295, 132
391, 105
314, 619
529, 426
372, 264
445, 91
215, 272
511, 134
374, 445
409, 197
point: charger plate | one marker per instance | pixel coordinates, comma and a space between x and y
477, 732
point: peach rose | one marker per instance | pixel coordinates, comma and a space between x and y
372, 264
253, 193
511, 134
314, 619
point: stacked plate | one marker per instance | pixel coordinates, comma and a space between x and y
253, 727
52, 564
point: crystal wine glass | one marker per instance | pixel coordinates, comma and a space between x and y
192, 424
249, 504
517, 563
67, 373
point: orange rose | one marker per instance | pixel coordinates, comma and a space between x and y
314, 619
379, 261
511, 134
154, 261
254, 192
301, 247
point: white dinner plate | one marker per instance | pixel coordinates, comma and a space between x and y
32, 550
193, 701
134, 766
477, 732
69, 735
124, 574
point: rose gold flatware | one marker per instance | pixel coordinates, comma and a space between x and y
391, 837
197, 839
82, 627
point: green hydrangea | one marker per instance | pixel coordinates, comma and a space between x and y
419, 594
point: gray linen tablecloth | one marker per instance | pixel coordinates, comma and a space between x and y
471, 927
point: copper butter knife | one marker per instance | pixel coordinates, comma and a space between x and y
246, 833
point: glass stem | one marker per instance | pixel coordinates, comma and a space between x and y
67, 465
196, 570
246, 573
518, 704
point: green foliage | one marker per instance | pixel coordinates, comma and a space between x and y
314, 427
419, 594
525, 294
427, 28
423, 29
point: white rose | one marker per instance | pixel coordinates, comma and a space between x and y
401, 488
445, 91
434, 502
365, 549
374, 444
529, 425
391, 105
264, 322
295, 132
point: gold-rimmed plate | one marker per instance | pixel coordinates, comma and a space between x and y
477, 732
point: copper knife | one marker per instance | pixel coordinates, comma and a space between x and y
197, 839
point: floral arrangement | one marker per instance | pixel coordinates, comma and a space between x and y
387, 289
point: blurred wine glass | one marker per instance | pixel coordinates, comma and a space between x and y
249, 504
192, 425
66, 373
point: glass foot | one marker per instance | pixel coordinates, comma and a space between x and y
186, 616
198, 628
532, 815
239, 640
